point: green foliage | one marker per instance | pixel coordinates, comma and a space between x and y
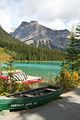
20, 87
4, 87
10, 86
10, 64
70, 76
23, 52
68, 79
73, 53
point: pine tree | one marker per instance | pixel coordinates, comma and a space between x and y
69, 76
73, 51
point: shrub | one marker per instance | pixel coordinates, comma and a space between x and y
10, 86
4, 87
68, 79
21, 87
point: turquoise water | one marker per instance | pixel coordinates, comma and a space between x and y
43, 69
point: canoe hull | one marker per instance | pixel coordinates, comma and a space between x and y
28, 102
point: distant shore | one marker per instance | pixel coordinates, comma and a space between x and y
38, 61
4, 61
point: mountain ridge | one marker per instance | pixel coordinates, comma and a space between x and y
40, 36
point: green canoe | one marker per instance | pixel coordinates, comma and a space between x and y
30, 99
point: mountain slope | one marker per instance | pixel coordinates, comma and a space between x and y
39, 35
27, 52
4, 55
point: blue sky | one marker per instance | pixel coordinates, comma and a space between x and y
55, 14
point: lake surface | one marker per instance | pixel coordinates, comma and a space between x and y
43, 69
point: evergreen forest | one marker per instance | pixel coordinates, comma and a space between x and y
24, 52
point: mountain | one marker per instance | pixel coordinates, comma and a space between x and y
21, 51
39, 35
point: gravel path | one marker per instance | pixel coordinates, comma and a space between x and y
66, 108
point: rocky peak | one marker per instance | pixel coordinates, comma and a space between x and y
23, 24
34, 22
39, 35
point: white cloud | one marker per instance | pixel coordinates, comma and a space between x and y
56, 14
72, 23
56, 24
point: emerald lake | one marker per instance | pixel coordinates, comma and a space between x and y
42, 69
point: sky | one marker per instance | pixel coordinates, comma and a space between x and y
55, 14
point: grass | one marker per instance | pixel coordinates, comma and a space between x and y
3, 55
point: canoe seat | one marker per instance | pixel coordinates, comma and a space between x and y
28, 95
50, 89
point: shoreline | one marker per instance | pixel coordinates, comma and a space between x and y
38, 61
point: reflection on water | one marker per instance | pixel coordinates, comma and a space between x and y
43, 69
